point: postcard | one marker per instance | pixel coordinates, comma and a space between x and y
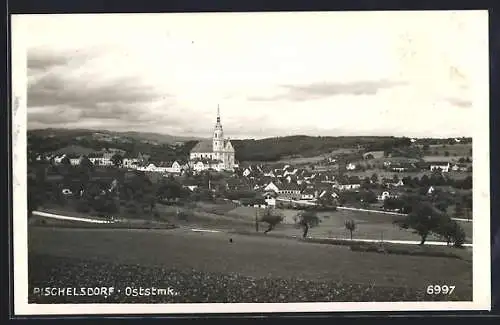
250, 162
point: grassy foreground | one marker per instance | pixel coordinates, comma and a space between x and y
207, 268
190, 286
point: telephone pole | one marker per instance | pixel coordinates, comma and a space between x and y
257, 219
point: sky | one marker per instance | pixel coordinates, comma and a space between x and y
272, 74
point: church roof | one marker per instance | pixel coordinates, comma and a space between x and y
203, 146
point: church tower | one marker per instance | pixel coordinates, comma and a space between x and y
218, 139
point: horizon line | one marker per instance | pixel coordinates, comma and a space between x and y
252, 138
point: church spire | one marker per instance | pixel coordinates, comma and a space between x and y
218, 114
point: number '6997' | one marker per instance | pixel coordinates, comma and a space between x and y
436, 289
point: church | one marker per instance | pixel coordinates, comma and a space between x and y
217, 153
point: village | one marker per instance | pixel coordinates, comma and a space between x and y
335, 181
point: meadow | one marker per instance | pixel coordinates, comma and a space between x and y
206, 267
369, 225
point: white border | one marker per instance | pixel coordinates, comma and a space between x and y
481, 209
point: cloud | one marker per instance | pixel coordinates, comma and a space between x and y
100, 72
328, 89
54, 89
63, 89
39, 62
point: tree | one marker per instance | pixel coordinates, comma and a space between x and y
117, 160
86, 164
423, 219
368, 197
374, 178
458, 212
307, 219
393, 204
272, 218
350, 225
452, 232
366, 182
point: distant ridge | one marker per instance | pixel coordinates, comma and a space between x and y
138, 136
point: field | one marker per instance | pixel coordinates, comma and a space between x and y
205, 267
369, 225
451, 159
381, 173
227, 216
315, 159
457, 150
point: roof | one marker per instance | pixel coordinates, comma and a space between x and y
308, 191
288, 187
203, 146
207, 161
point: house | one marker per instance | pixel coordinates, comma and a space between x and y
271, 187
290, 171
206, 164
386, 195
430, 190
270, 198
289, 191
347, 185
307, 194
350, 166
402, 167
130, 162
390, 182
268, 172
291, 178
101, 158
459, 167
152, 168
58, 159
327, 196
74, 159
444, 166
247, 172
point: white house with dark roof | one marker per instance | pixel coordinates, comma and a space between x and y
199, 165
444, 166
219, 148
289, 191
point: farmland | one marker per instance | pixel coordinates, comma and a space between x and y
457, 150
205, 267
390, 174
369, 225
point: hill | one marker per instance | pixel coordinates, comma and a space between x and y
289, 148
110, 136
275, 149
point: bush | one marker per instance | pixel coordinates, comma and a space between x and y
83, 207
181, 215
410, 250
